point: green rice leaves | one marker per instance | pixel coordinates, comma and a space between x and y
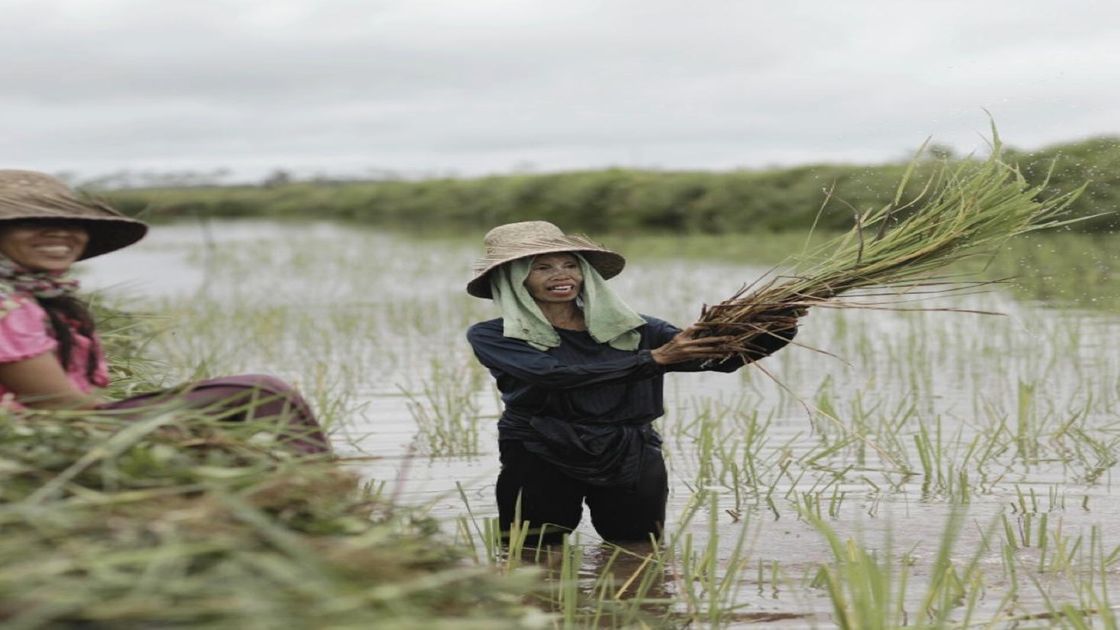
964, 209
179, 519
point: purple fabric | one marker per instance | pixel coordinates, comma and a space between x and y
273, 399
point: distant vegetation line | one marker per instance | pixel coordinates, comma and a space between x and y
623, 200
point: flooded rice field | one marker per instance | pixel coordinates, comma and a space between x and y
892, 462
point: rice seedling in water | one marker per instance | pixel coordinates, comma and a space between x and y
866, 592
446, 412
1086, 567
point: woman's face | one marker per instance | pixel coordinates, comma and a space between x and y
554, 278
45, 246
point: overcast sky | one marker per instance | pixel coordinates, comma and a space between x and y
481, 86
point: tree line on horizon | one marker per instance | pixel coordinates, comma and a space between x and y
624, 200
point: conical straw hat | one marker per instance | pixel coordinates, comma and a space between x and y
31, 196
531, 238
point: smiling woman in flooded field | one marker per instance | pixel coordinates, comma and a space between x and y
580, 374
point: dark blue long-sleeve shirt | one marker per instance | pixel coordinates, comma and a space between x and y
583, 405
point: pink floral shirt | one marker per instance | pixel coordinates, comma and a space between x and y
25, 332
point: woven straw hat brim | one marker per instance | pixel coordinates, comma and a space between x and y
108, 230
605, 261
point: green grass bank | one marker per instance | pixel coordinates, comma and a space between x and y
631, 201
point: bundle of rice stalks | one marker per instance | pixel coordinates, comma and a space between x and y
964, 210
180, 520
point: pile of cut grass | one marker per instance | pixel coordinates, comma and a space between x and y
178, 519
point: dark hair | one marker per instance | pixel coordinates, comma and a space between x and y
65, 311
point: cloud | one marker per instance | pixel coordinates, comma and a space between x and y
479, 87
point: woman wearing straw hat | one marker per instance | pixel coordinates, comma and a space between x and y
580, 374
50, 355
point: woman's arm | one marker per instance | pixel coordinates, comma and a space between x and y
672, 337
41, 383
523, 362
684, 352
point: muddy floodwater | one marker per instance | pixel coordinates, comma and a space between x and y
894, 428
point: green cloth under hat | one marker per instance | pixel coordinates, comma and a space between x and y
609, 320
